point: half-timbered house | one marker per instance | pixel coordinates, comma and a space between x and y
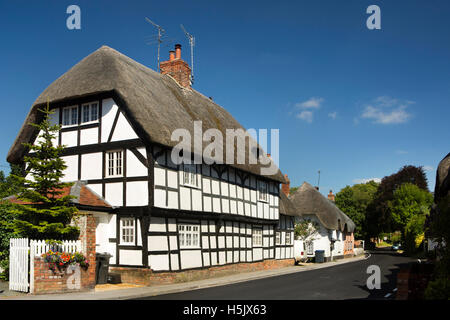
116, 119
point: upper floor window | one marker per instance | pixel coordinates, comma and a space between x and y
189, 235
114, 163
89, 112
257, 237
263, 191
70, 116
127, 234
190, 175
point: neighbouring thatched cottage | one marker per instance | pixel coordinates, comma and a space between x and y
336, 228
116, 118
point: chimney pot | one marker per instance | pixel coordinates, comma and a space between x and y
171, 55
178, 51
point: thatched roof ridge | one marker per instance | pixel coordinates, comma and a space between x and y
308, 200
286, 206
154, 103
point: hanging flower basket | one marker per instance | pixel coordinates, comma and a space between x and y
61, 260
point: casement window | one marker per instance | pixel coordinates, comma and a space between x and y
89, 112
189, 236
70, 116
114, 163
263, 194
127, 231
310, 247
257, 237
277, 238
190, 175
288, 238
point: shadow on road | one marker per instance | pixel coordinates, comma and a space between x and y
391, 283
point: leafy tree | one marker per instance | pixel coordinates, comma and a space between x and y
354, 201
379, 217
306, 230
10, 185
292, 190
51, 212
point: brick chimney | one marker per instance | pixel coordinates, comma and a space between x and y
177, 68
285, 187
331, 196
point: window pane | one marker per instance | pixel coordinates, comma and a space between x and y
85, 113
66, 117
74, 117
94, 112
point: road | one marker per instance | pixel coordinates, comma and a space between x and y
340, 282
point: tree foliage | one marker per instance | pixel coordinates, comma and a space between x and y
306, 230
354, 201
379, 216
51, 213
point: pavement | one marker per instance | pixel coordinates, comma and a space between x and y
126, 293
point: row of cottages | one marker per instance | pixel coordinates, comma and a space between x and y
335, 233
116, 119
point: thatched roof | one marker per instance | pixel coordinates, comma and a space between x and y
442, 187
308, 200
286, 206
154, 103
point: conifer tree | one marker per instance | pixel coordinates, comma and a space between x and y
47, 213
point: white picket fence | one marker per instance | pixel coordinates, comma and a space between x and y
22, 251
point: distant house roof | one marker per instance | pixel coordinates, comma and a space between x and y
286, 206
85, 197
308, 200
155, 104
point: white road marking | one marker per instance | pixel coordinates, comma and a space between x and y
395, 289
388, 295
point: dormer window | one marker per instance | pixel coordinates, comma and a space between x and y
89, 112
70, 116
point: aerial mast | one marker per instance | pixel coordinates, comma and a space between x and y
161, 32
191, 39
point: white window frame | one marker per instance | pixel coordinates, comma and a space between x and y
189, 235
288, 237
127, 230
190, 176
263, 191
310, 245
115, 164
90, 106
278, 238
257, 237
71, 116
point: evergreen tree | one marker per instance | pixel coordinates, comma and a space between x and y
50, 212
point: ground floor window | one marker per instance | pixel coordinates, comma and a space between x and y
278, 238
189, 235
127, 228
257, 237
310, 247
288, 238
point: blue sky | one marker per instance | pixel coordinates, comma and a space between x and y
351, 102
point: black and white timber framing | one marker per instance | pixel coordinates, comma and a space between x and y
151, 195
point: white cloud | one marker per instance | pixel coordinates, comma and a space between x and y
428, 168
378, 180
386, 110
306, 116
333, 115
311, 103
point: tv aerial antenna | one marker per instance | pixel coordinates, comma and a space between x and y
318, 182
161, 32
191, 39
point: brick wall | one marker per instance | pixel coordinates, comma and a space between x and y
147, 277
48, 281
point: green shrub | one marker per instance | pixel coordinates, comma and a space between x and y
438, 289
